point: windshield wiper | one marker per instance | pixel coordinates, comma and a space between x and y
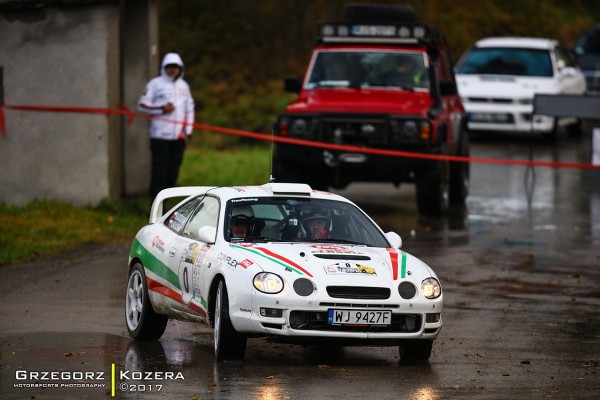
334, 240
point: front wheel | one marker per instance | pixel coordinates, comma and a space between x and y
142, 321
416, 350
229, 344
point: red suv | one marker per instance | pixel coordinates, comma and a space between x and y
376, 83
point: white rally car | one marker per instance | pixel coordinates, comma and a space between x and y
280, 261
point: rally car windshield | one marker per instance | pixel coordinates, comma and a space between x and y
369, 69
278, 219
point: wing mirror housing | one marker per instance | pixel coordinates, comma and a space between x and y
394, 239
207, 234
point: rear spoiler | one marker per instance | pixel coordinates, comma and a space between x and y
156, 212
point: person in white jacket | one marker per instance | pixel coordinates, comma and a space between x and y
168, 98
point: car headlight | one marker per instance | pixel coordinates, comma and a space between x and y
431, 288
267, 282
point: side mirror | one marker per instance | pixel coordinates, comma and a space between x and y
207, 234
394, 239
292, 85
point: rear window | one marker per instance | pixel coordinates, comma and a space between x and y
507, 61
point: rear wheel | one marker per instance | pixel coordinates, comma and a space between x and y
416, 350
229, 344
142, 321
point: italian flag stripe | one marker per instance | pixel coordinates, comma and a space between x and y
394, 259
276, 258
154, 264
170, 293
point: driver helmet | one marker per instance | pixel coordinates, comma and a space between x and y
313, 217
242, 214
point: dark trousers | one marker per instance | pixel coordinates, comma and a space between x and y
167, 156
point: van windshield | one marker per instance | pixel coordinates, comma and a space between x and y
507, 61
365, 69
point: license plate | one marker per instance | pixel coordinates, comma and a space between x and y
490, 117
359, 317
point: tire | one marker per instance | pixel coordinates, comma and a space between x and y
416, 350
460, 173
432, 189
143, 323
229, 344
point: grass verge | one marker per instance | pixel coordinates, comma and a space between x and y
46, 227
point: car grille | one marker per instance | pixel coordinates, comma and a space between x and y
489, 100
357, 131
358, 292
317, 321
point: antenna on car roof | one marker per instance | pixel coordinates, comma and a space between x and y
271, 178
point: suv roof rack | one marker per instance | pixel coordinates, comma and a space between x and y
381, 33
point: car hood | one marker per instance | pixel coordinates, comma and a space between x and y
349, 100
499, 86
335, 264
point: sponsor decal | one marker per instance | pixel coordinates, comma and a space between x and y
227, 260
159, 244
347, 268
246, 263
328, 249
244, 200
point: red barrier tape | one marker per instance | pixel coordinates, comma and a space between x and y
300, 142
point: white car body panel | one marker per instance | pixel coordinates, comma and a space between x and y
180, 272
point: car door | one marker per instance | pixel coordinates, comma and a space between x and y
193, 261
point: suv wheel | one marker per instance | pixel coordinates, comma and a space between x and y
460, 173
432, 189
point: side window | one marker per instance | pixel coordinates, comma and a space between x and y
563, 58
207, 214
178, 218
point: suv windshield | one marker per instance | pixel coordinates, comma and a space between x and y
276, 219
507, 61
357, 69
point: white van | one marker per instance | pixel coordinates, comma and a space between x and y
499, 77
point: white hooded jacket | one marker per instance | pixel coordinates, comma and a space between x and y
162, 90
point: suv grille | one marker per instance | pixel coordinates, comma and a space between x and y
355, 131
358, 292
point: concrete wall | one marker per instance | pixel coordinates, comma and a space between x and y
72, 55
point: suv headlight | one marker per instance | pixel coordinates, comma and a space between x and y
431, 288
267, 282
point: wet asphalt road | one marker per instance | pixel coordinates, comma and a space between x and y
520, 268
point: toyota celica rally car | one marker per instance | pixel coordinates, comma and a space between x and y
280, 261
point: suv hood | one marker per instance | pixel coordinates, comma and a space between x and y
349, 100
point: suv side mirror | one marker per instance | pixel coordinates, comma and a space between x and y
292, 85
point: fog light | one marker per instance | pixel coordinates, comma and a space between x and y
272, 312
432, 318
